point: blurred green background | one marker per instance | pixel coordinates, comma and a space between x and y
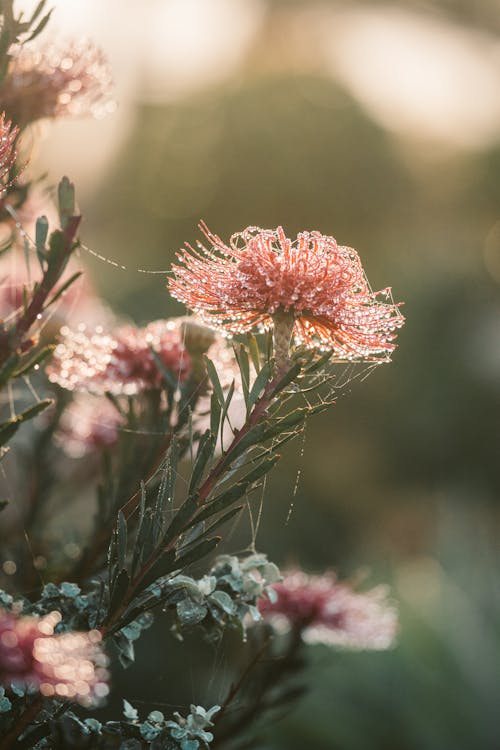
378, 124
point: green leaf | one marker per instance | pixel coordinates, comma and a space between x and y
224, 601
197, 552
251, 438
118, 590
41, 233
224, 518
225, 408
121, 540
6, 372
38, 29
215, 413
234, 493
182, 518
66, 200
253, 349
64, 287
39, 8
9, 428
129, 711
165, 564
259, 384
205, 452
287, 378
221, 502
319, 363
244, 365
28, 364
214, 378
190, 612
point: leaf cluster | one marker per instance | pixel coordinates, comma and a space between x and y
20, 353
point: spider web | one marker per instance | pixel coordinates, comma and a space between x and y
336, 383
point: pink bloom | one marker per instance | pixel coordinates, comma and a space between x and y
261, 274
329, 612
120, 362
56, 82
67, 665
8, 154
88, 424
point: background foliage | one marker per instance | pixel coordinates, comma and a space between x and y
402, 475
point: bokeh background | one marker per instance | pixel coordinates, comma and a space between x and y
378, 123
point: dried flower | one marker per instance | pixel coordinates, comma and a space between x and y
57, 81
89, 423
329, 612
8, 135
67, 665
121, 362
262, 278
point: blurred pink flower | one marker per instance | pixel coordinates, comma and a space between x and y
120, 362
88, 424
8, 135
67, 665
320, 285
79, 302
56, 81
326, 611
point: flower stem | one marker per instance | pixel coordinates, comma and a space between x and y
283, 323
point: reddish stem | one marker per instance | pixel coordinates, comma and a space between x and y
14, 340
206, 488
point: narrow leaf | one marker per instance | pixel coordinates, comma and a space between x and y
64, 287
287, 378
214, 378
28, 365
196, 553
66, 200
9, 428
260, 383
253, 349
118, 590
205, 452
121, 540
224, 518
215, 413
244, 365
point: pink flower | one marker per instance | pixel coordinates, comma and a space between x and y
8, 135
88, 424
262, 274
120, 362
329, 612
67, 665
56, 82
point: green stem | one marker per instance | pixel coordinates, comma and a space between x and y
206, 488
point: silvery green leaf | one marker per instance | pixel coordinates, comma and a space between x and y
70, 589
224, 601
190, 745
191, 613
156, 717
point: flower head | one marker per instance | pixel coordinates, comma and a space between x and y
124, 362
326, 611
319, 285
89, 423
67, 665
8, 135
56, 81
